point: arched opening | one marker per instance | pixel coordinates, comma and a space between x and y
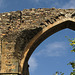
41, 36
52, 55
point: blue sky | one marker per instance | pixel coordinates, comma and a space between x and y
52, 54
14, 5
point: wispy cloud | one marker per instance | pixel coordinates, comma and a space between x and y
53, 49
36, 1
70, 4
2, 4
33, 64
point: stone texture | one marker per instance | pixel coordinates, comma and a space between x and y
17, 28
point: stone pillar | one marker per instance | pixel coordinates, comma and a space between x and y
9, 64
0, 54
25, 70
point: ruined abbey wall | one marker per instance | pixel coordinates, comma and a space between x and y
17, 28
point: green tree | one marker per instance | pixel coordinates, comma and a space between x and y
72, 43
59, 73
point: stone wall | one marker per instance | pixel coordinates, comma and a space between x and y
17, 28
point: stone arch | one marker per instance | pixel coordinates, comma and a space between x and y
41, 36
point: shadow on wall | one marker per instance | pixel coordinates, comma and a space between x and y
24, 37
